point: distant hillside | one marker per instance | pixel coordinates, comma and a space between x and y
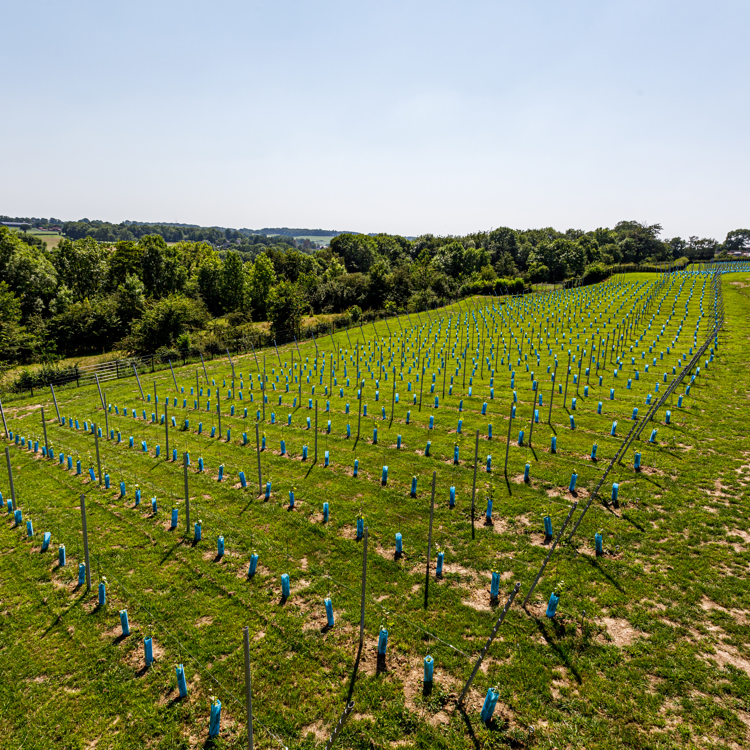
172, 231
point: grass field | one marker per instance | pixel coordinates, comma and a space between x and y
649, 647
323, 240
52, 239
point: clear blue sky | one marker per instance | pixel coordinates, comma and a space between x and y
406, 117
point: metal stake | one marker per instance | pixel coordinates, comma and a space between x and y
44, 427
54, 398
474, 483
10, 478
257, 450
85, 542
96, 443
429, 541
549, 554
248, 688
187, 495
137, 378
507, 445
340, 725
487, 645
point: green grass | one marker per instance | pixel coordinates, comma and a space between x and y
660, 659
52, 239
320, 240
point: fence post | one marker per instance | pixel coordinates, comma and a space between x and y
166, 428
316, 432
85, 542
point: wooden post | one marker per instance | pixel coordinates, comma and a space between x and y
316, 432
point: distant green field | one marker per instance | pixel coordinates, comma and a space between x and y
320, 240
51, 238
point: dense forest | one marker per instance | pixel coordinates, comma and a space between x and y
177, 286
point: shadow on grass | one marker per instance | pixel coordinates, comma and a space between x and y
58, 620
469, 727
633, 522
559, 630
171, 550
594, 563
381, 667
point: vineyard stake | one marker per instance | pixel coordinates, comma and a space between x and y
187, 494
257, 450
85, 542
549, 554
44, 427
487, 645
429, 541
96, 443
10, 478
248, 687
143, 398
474, 483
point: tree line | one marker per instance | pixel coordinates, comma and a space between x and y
146, 293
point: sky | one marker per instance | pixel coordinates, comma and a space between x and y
402, 117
